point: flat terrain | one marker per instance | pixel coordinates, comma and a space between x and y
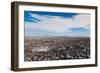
56, 48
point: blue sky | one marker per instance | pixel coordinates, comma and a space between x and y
38, 23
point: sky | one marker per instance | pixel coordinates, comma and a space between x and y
38, 23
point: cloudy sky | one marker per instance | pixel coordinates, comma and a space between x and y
56, 24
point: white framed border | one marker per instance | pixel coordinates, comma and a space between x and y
34, 64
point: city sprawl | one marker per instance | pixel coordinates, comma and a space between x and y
56, 48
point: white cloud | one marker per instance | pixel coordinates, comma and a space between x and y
81, 20
58, 23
